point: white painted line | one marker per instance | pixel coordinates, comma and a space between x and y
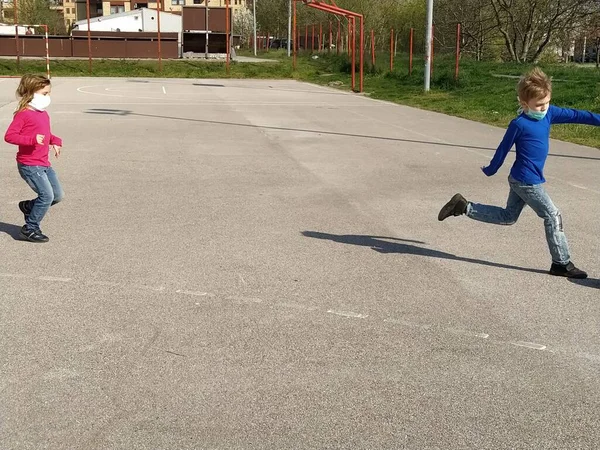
63, 280
348, 314
164, 90
196, 293
531, 345
468, 333
13, 275
152, 288
584, 188
245, 299
577, 186
102, 283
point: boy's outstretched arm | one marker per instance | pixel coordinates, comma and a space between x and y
567, 115
507, 142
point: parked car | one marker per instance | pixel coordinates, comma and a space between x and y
278, 43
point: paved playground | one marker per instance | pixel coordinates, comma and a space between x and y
258, 264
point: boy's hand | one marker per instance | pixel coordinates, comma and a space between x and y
485, 170
39, 138
56, 149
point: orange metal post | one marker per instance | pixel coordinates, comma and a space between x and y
362, 52
392, 50
372, 47
89, 36
320, 40
348, 35
410, 54
353, 54
158, 35
47, 52
432, 41
313, 38
294, 34
227, 34
457, 51
306, 37
16, 12
351, 17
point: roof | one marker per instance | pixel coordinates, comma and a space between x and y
133, 12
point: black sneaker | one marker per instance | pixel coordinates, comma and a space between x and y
568, 270
33, 235
25, 207
455, 207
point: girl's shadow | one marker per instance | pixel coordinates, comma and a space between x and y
12, 230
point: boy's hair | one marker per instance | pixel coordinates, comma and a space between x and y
28, 86
534, 85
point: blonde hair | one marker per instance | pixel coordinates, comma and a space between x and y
28, 86
535, 84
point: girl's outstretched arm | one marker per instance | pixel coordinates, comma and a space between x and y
13, 133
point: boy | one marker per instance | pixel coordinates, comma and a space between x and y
530, 133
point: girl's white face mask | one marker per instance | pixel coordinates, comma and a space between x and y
40, 102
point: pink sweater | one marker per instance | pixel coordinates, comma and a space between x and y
25, 126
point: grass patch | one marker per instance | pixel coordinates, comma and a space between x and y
484, 92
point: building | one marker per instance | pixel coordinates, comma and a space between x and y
173, 6
69, 13
9, 30
143, 19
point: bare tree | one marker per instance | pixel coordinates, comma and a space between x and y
478, 24
528, 26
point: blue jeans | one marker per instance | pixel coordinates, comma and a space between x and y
535, 196
45, 184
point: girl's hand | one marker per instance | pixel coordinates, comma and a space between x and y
56, 149
39, 138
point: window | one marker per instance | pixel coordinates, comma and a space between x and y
115, 9
177, 2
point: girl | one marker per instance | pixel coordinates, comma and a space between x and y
30, 130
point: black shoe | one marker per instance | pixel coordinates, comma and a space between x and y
33, 235
25, 207
455, 207
568, 270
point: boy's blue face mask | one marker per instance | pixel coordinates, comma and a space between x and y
536, 115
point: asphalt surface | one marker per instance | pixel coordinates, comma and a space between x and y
258, 264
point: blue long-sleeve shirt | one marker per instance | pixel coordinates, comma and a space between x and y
532, 140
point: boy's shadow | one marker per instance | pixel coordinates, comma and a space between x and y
405, 246
10, 229
588, 282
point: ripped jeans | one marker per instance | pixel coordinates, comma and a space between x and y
536, 197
